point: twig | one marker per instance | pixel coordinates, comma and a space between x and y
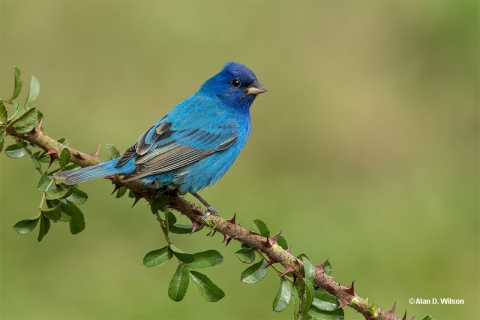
230, 230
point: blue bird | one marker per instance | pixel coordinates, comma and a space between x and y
194, 144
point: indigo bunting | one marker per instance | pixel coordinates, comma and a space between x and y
194, 144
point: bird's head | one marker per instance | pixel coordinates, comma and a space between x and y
236, 85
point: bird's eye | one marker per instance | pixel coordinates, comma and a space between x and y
236, 83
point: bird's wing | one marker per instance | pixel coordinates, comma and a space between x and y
162, 148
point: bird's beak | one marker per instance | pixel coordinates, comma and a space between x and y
256, 88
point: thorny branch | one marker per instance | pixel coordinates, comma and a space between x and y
229, 228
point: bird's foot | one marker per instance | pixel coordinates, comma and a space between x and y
210, 210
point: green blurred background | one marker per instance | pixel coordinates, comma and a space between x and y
365, 149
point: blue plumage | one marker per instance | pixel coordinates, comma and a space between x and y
195, 143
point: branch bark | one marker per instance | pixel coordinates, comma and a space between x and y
345, 294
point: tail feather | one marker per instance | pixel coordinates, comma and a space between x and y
89, 173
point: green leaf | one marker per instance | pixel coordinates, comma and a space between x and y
34, 91
182, 256
309, 295
157, 257
63, 141
323, 301
64, 158
282, 242
3, 113
16, 150
205, 259
44, 227
52, 213
326, 315
429, 317
179, 283
206, 287
77, 196
308, 269
246, 255
296, 299
112, 152
26, 226
255, 272
284, 295
19, 109
66, 212
327, 268
2, 138
60, 191
45, 182
121, 191
18, 83
77, 221
27, 121
36, 162
261, 227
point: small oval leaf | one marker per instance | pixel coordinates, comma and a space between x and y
16, 150
27, 121
77, 220
308, 296
255, 272
18, 83
284, 295
157, 257
206, 259
112, 152
3, 113
261, 228
64, 158
26, 226
77, 196
323, 301
246, 255
34, 91
44, 227
209, 290
45, 182
308, 269
179, 283
52, 213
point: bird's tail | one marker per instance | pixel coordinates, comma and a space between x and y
89, 173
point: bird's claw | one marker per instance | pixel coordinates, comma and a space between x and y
210, 210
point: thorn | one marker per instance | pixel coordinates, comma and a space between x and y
116, 188
412, 318
289, 250
288, 269
51, 151
195, 226
270, 262
95, 153
267, 243
342, 303
321, 266
227, 238
350, 289
392, 311
38, 128
232, 221
275, 239
405, 316
138, 196
78, 155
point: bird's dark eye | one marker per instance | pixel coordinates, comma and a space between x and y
236, 83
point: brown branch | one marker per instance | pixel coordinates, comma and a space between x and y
345, 294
